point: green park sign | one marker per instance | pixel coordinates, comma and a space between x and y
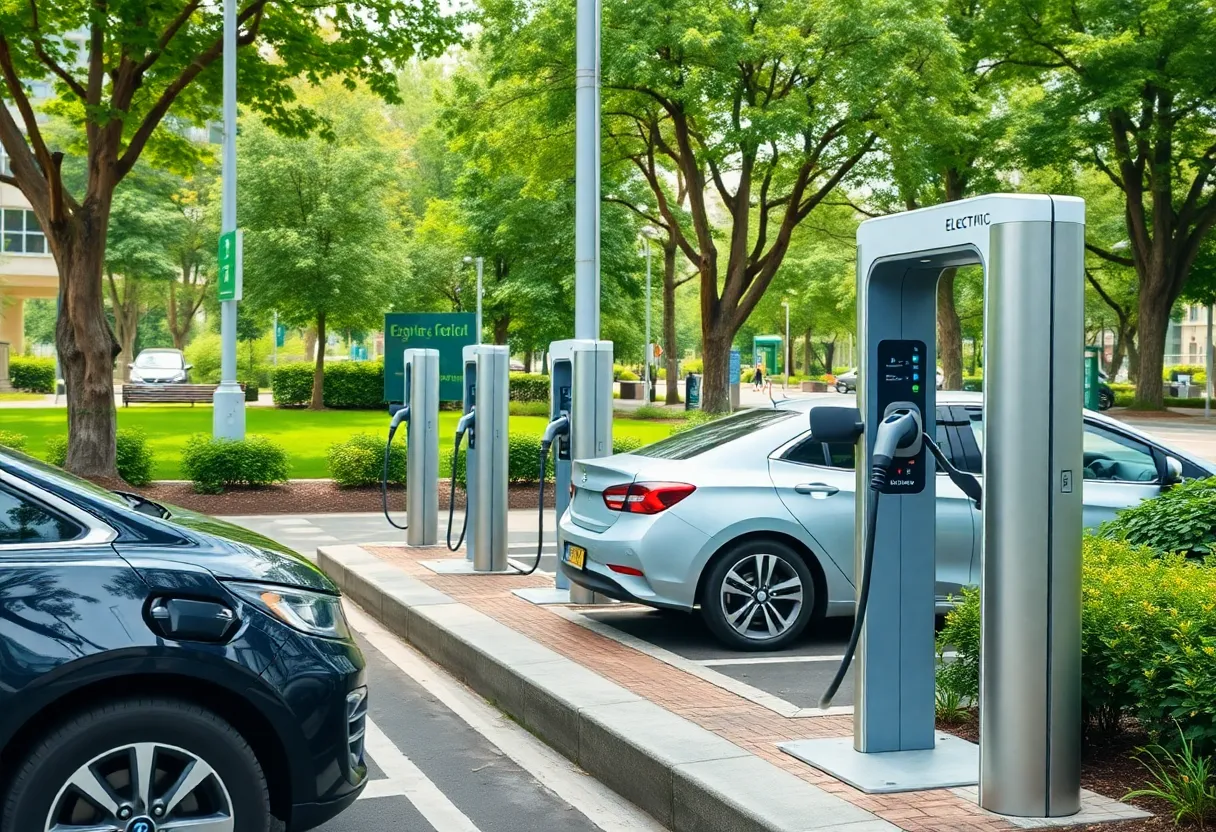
448, 332
229, 265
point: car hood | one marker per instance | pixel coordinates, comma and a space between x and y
232, 552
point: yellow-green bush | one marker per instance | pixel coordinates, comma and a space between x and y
1148, 641
359, 461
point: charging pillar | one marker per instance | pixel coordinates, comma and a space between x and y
590, 421
468, 400
422, 446
561, 388
1028, 762
487, 480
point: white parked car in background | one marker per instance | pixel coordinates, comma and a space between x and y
751, 521
160, 366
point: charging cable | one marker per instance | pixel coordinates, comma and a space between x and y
558, 427
401, 413
467, 423
898, 431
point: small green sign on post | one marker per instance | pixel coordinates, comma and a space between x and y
1092, 383
230, 262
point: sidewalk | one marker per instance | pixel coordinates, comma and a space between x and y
693, 753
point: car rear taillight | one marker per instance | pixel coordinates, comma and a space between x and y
646, 497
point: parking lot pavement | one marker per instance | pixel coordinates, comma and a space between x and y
1191, 434
442, 759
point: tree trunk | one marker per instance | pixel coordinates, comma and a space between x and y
949, 332
501, 327
318, 374
1133, 355
670, 348
527, 361
806, 353
86, 345
179, 337
125, 306
1153, 323
829, 355
715, 383
310, 343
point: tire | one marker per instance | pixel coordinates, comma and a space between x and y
841, 387
737, 569
101, 739
1106, 400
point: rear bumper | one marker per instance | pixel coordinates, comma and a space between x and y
610, 588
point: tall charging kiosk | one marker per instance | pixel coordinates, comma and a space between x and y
421, 395
1028, 763
487, 478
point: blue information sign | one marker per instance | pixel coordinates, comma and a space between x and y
448, 332
735, 366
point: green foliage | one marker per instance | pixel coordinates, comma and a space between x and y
696, 418
975, 383
692, 365
516, 408
650, 411
353, 384
133, 456
215, 464
949, 707
251, 392
204, 354
529, 387
292, 384
960, 678
37, 375
625, 444
1182, 779
359, 461
1197, 372
15, 441
1148, 642
627, 375
1181, 519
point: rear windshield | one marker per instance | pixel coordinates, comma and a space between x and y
698, 440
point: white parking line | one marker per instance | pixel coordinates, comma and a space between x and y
408, 780
597, 802
766, 660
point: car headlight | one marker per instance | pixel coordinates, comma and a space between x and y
180, 376
309, 612
136, 377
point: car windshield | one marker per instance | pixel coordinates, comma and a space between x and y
698, 440
70, 480
159, 360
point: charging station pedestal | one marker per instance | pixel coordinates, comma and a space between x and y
1028, 761
580, 385
422, 447
488, 481
468, 401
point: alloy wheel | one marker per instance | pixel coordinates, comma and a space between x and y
761, 596
143, 787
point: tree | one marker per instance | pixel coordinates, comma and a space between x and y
321, 248
39, 321
122, 70
142, 220
1127, 89
193, 248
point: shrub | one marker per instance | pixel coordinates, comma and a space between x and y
203, 353
214, 464
133, 457
960, 679
1148, 639
696, 418
529, 387
251, 392
353, 384
625, 444
975, 383
1183, 780
35, 375
627, 375
1197, 372
650, 411
529, 408
15, 441
359, 461
1181, 519
292, 384
692, 365
523, 458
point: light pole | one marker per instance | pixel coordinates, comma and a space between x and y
228, 417
648, 233
785, 359
587, 170
468, 261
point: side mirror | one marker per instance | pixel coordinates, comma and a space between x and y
189, 367
836, 424
1173, 471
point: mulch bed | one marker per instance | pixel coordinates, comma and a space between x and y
311, 497
1109, 768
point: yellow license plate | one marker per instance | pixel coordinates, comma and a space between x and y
576, 556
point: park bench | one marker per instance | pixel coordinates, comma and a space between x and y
169, 393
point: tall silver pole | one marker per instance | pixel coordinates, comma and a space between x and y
228, 420
480, 264
785, 359
1207, 368
587, 172
649, 351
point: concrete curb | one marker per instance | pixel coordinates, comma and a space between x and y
688, 778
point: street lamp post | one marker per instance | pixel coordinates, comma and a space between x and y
647, 234
786, 357
479, 262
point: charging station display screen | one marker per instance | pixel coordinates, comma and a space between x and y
902, 377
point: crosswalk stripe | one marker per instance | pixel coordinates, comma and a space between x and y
430, 802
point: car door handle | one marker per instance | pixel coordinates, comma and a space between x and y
816, 488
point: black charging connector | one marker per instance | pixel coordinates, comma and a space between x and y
400, 413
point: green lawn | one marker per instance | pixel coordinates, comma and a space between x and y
306, 435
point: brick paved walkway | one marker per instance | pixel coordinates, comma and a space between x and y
738, 720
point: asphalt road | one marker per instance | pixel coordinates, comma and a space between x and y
442, 759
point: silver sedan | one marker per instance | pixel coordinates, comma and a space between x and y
751, 520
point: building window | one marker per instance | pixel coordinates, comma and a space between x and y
21, 232
5, 167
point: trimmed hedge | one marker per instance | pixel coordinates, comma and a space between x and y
523, 458
133, 457
215, 464
975, 383
291, 384
1148, 642
529, 387
359, 461
354, 384
35, 375
1181, 519
15, 441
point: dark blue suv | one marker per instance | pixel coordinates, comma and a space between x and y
162, 670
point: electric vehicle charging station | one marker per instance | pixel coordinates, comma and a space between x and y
1032, 251
420, 412
487, 456
580, 427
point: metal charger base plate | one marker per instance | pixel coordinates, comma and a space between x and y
952, 762
458, 566
543, 595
